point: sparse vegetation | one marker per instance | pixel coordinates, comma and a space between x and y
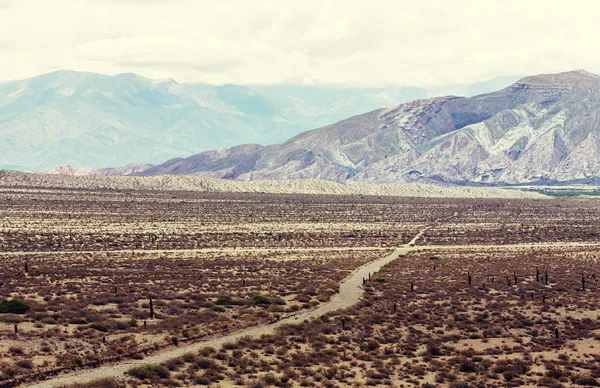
460, 313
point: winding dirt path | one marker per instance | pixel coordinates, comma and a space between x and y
349, 294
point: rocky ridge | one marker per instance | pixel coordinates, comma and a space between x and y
541, 129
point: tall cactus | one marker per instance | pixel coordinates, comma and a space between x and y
151, 308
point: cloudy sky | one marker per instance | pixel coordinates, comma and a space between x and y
367, 43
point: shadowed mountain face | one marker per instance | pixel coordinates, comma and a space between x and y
543, 128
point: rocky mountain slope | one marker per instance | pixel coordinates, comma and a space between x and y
543, 128
14, 179
92, 120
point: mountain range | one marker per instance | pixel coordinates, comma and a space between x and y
541, 129
90, 120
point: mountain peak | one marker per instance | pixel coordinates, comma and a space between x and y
572, 77
584, 72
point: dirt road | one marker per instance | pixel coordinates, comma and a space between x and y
349, 294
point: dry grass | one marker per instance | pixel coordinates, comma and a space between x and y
444, 332
90, 307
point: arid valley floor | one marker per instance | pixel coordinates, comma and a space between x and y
188, 288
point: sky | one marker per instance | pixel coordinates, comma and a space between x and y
304, 42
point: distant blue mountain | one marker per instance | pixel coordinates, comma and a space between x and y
93, 120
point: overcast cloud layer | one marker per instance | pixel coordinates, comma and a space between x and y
374, 43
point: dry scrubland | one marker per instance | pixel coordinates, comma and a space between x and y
87, 309
81, 220
301, 186
422, 324
255, 258
517, 222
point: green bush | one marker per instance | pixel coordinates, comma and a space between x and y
149, 372
13, 307
259, 299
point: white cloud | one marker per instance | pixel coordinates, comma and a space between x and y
350, 42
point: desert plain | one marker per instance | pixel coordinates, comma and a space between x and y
134, 286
